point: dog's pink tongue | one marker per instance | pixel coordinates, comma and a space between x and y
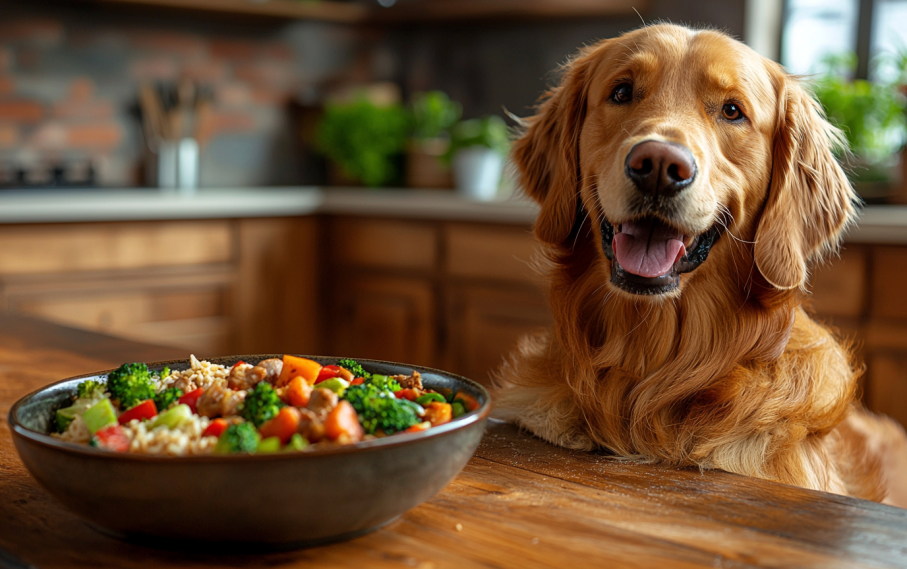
648, 248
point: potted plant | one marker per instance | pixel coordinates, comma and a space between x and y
871, 116
433, 114
363, 140
478, 148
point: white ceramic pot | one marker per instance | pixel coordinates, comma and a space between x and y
477, 172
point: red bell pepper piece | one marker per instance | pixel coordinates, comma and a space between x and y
215, 428
358, 381
408, 393
143, 411
326, 373
191, 399
112, 438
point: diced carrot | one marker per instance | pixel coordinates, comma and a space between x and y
283, 425
438, 413
343, 421
215, 428
298, 367
407, 393
419, 427
298, 392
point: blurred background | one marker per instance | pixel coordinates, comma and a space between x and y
329, 176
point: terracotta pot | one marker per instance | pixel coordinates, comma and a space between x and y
424, 167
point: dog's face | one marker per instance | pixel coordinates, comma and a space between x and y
672, 138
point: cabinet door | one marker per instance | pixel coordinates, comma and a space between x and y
187, 311
383, 318
486, 323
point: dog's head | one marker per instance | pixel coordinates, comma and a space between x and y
670, 139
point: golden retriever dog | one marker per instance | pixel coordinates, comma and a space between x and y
686, 186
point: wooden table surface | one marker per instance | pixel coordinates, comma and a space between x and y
518, 503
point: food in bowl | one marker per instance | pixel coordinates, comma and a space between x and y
283, 404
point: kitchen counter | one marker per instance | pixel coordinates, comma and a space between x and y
878, 224
55, 206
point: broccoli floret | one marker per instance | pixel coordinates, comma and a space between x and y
90, 389
354, 367
130, 384
238, 438
164, 399
379, 409
385, 383
261, 404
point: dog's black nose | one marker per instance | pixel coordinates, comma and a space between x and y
660, 168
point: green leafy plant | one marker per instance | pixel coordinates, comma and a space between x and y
490, 132
363, 139
433, 114
871, 115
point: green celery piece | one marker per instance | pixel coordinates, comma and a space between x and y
172, 417
297, 442
335, 384
270, 444
65, 415
100, 415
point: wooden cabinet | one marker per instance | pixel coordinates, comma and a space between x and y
212, 287
485, 324
451, 295
861, 294
385, 318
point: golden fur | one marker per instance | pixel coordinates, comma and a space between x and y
727, 371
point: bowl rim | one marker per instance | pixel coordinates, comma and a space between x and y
470, 418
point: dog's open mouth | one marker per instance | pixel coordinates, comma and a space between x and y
648, 256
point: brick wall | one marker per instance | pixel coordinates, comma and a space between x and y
69, 74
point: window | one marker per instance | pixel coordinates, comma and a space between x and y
814, 29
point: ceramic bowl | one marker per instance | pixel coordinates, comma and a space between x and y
267, 501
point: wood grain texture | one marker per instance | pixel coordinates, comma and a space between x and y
486, 323
276, 303
380, 243
55, 248
519, 503
489, 252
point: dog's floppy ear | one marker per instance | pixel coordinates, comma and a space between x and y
810, 201
547, 153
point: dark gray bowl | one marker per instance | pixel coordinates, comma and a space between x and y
248, 501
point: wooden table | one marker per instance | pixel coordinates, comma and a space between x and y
518, 503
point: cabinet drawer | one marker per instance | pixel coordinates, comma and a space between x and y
491, 252
839, 288
381, 243
889, 272
196, 318
36, 249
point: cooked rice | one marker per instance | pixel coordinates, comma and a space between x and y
202, 374
77, 432
185, 439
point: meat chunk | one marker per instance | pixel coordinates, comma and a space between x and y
219, 401
267, 370
413, 381
240, 378
322, 402
310, 425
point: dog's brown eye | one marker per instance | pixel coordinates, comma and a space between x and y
623, 93
731, 112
